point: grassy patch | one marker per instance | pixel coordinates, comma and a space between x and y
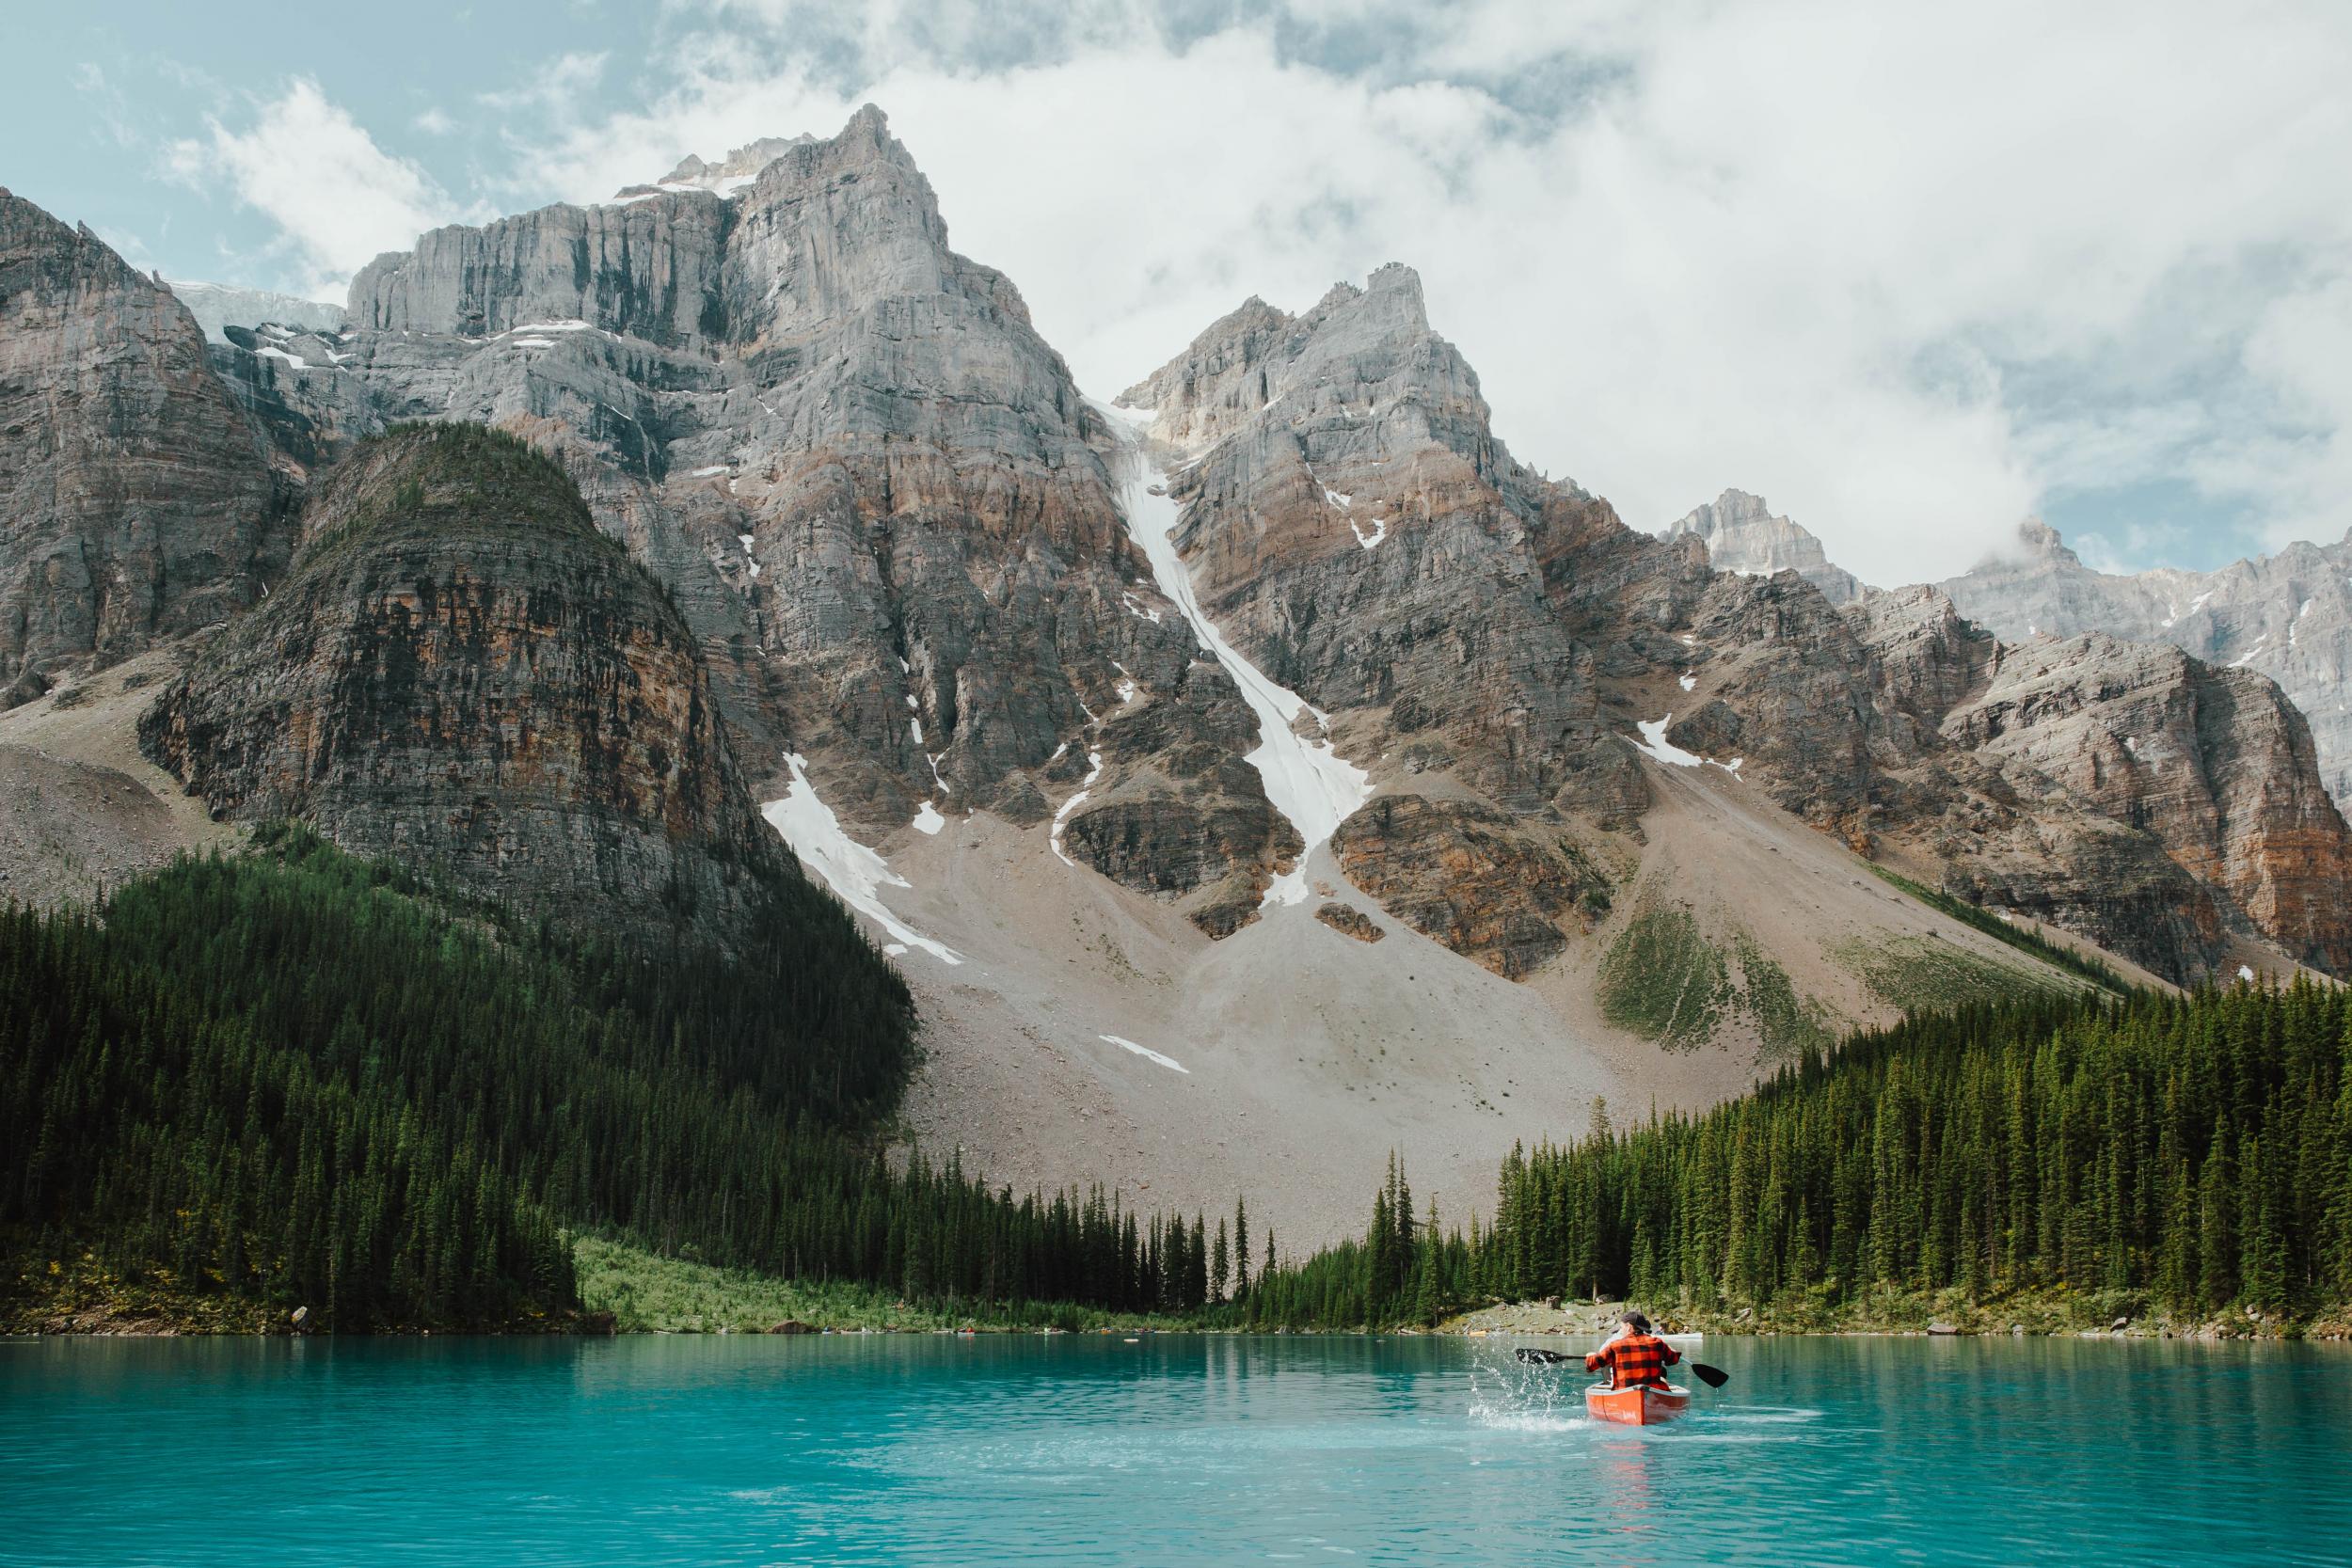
651, 1295
1788, 1024
1916, 974
2026, 940
1662, 980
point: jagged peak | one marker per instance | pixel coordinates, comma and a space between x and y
2041, 541
867, 131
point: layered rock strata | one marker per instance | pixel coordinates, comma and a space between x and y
461, 674
135, 503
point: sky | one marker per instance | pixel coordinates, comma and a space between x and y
1910, 273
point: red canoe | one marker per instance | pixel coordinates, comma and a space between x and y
1635, 1407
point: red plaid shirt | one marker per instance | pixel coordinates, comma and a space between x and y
1636, 1358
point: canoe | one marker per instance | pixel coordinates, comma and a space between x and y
1644, 1406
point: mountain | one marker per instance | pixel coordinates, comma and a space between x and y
1264, 762
217, 306
135, 502
460, 673
1742, 535
2288, 617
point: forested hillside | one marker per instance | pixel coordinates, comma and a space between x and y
301, 1079
2197, 1149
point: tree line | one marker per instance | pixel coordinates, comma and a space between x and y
306, 1079
2195, 1147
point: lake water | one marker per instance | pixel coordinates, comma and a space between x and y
761, 1450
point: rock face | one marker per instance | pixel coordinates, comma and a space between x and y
218, 306
134, 497
1354, 525
1494, 889
2217, 763
462, 673
873, 490
1742, 535
2288, 617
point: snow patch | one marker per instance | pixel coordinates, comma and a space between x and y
1126, 690
1337, 499
1094, 771
855, 873
1655, 745
1146, 1053
2246, 972
914, 728
926, 818
705, 473
1313, 787
295, 360
533, 342
1380, 531
1687, 682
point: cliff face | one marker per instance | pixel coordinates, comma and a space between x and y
872, 489
461, 674
135, 501
2216, 763
1355, 526
2287, 616
1357, 530
1742, 535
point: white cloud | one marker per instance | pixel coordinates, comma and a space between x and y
1908, 272
337, 197
435, 122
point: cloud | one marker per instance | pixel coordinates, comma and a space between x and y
435, 122
337, 198
1908, 272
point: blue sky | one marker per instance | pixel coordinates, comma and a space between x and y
1910, 273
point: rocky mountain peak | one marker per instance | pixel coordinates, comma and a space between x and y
1741, 534
2041, 541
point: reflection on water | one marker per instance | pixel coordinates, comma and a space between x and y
1175, 1451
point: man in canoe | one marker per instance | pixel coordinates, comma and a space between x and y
1635, 1357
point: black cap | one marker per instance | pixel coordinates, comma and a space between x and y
1637, 1322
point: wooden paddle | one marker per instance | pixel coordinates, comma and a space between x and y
1714, 1377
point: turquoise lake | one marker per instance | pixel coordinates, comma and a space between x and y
1177, 1449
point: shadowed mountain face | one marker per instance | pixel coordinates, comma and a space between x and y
135, 502
462, 674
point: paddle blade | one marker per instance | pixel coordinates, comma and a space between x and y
1714, 1377
1534, 1357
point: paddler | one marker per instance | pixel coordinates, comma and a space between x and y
1635, 1357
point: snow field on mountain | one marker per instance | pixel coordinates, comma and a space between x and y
855, 873
1310, 784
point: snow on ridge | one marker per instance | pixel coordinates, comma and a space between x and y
1146, 1052
1655, 745
1306, 780
856, 874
